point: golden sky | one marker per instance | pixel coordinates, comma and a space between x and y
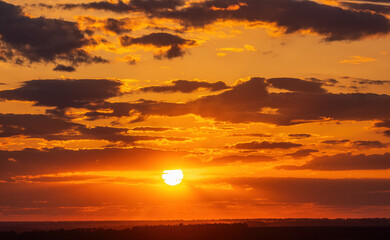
271, 108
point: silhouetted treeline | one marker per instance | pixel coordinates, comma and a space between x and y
268, 222
319, 222
207, 232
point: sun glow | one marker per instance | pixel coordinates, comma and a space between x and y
173, 177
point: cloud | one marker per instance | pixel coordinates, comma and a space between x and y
64, 68
250, 101
148, 6
186, 86
111, 134
64, 93
357, 144
42, 39
53, 128
358, 60
378, 8
345, 161
302, 153
40, 126
296, 85
385, 123
107, 25
160, 40
299, 135
334, 142
266, 145
151, 129
290, 15
247, 48
251, 135
59, 160
156, 39
117, 26
369, 144
346, 24
174, 52
370, 82
246, 102
237, 158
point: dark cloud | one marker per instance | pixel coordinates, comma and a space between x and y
148, 6
357, 144
41, 39
40, 126
334, 142
370, 82
110, 25
53, 128
299, 135
252, 135
151, 129
111, 134
140, 110
387, 133
345, 161
237, 158
302, 153
64, 93
118, 7
64, 68
186, 86
117, 26
56, 160
384, 9
245, 102
176, 43
385, 123
266, 145
173, 52
326, 82
369, 144
296, 85
334, 23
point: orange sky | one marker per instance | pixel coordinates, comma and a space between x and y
271, 109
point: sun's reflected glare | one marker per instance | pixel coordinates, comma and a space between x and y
173, 177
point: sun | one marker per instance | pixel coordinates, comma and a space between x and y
173, 177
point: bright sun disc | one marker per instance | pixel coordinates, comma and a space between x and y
172, 177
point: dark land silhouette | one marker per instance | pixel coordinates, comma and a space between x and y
277, 229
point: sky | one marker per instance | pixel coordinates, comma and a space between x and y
271, 108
